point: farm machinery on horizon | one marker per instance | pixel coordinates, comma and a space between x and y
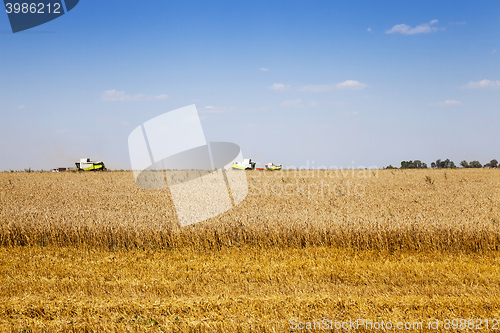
248, 164
86, 164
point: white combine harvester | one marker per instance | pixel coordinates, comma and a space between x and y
271, 166
247, 164
86, 164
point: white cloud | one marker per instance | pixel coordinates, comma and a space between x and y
279, 86
353, 113
313, 103
482, 84
351, 84
160, 97
494, 51
450, 102
21, 106
264, 69
292, 103
114, 95
369, 29
419, 29
459, 23
316, 87
336, 103
215, 110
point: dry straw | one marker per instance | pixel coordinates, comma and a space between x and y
381, 210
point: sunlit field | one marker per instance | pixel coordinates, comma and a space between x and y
94, 252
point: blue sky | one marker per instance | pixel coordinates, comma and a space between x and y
340, 83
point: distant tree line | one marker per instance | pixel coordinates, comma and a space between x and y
444, 164
417, 164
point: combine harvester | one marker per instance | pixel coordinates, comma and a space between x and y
86, 164
247, 164
271, 166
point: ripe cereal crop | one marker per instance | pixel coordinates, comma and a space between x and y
85, 252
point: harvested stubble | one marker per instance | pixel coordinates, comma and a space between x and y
362, 209
55, 289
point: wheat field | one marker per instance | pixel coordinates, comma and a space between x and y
93, 252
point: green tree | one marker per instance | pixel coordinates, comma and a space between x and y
464, 164
475, 164
417, 164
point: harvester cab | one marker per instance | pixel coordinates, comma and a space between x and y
86, 164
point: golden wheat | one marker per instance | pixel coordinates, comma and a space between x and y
364, 209
91, 252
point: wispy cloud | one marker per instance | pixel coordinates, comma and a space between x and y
21, 106
114, 95
336, 103
216, 110
458, 23
292, 103
262, 69
317, 87
279, 87
348, 84
352, 113
482, 84
494, 51
369, 30
313, 103
449, 102
419, 29
351, 84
